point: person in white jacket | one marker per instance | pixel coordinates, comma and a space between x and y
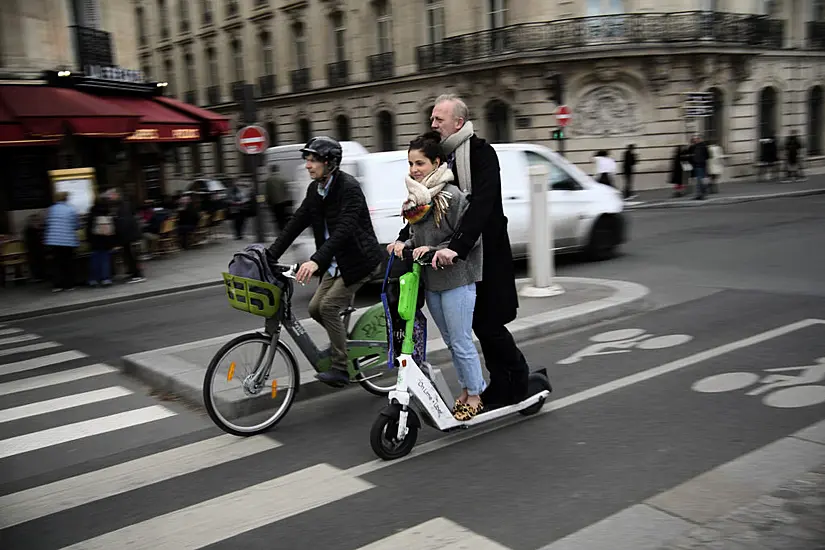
605, 168
716, 166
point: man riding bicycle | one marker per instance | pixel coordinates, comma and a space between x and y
347, 250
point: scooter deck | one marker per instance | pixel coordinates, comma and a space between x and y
500, 412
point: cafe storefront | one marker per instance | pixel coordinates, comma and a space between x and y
110, 121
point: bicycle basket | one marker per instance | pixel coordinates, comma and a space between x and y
251, 296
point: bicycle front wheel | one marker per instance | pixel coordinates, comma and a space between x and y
235, 402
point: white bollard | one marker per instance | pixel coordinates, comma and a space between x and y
542, 265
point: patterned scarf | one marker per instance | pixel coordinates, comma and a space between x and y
427, 195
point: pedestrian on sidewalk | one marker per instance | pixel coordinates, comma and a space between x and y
768, 158
680, 169
699, 160
127, 233
62, 223
605, 168
237, 208
792, 154
628, 166
277, 196
100, 234
716, 166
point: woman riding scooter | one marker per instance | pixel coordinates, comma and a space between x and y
433, 209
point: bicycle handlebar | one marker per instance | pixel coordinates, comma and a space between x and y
287, 270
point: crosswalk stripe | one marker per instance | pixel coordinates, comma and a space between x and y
17, 339
46, 380
235, 513
37, 362
7, 331
33, 347
436, 534
78, 430
68, 493
62, 403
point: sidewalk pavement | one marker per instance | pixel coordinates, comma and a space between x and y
730, 193
179, 370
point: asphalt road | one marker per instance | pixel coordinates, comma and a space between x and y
726, 279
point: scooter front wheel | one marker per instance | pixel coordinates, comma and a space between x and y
384, 434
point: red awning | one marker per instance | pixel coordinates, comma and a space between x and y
216, 124
158, 123
46, 112
12, 133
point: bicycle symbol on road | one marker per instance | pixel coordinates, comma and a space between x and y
623, 341
792, 391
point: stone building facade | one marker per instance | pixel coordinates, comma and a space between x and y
368, 70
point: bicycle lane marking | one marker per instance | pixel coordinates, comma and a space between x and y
593, 392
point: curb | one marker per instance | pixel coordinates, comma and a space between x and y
720, 201
178, 378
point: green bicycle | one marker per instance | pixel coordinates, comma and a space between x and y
255, 398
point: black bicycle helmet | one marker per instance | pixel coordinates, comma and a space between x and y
326, 149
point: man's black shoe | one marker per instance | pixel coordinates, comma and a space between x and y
334, 377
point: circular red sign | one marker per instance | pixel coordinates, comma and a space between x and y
252, 140
563, 115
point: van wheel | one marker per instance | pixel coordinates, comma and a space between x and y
602, 245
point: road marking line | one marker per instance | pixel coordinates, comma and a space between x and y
436, 534
597, 391
17, 339
55, 379
653, 523
8, 331
72, 432
32, 347
38, 362
62, 403
52, 498
235, 513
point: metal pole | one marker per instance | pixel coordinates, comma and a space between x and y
541, 244
562, 142
252, 162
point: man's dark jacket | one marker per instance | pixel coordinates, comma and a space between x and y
496, 295
352, 240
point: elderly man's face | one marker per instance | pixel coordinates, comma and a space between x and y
444, 120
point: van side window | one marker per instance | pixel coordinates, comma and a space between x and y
560, 180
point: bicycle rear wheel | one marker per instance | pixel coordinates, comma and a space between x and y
232, 402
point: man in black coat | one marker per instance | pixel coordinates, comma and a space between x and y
347, 250
475, 165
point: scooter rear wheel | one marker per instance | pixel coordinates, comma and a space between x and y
536, 383
383, 435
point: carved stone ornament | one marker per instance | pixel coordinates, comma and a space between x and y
606, 111
657, 71
607, 70
702, 67
333, 6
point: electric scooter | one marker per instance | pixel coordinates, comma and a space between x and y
423, 388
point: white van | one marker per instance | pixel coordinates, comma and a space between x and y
587, 215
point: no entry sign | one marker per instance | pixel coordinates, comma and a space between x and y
563, 115
252, 140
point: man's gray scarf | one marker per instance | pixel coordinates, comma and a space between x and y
460, 143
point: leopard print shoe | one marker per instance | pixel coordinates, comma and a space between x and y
467, 412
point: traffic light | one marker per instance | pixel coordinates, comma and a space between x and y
558, 134
555, 88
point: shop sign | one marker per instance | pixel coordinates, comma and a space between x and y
176, 134
114, 73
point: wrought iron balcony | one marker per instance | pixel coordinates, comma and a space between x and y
266, 85
300, 80
213, 95
93, 47
237, 90
338, 73
381, 66
190, 97
634, 30
815, 35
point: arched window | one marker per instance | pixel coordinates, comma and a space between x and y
714, 124
237, 59
815, 121
768, 113
342, 127
386, 131
498, 122
304, 130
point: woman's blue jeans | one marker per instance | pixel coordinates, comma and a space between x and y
100, 266
452, 311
